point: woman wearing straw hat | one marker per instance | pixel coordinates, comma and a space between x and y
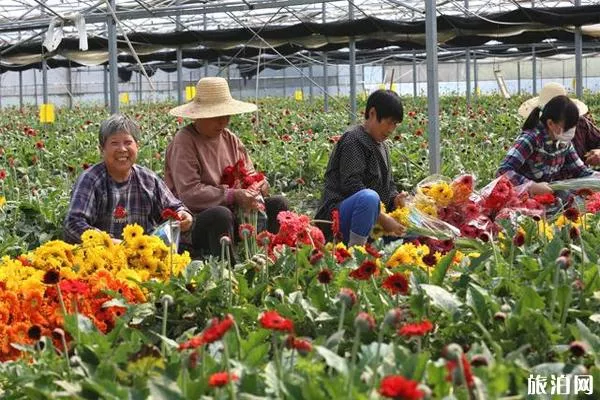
197, 158
587, 135
543, 152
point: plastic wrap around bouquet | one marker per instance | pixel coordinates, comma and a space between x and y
591, 182
421, 224
170, 232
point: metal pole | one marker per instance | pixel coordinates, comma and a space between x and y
69, 86
106, 101
432, 87
35, 91
468, 75
518, 77
205, 61
20, 89
140, 87
534, 69
475, 78
325, 72
180, 87
44, 81
284, 83
578, 58
112, 61
352, 60
311, 78
415, 76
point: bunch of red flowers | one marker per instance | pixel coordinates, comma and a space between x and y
238, 176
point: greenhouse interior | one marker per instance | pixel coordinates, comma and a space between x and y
299, 199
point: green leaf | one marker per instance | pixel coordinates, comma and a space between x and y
333, 360
478, 299
442, 298
529, 299
587, 335
440, 270
162, 388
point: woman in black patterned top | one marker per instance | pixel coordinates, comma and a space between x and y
359, 176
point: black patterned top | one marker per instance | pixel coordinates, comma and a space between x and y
357, 162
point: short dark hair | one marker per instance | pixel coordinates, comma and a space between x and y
117, 123
558, 109
387, 104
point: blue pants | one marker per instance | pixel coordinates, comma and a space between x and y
359, 213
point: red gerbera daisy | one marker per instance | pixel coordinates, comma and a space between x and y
417, 329
169, 213
365, 271
217, 329
399, 388
272, 320
325, 276
396, 284
454, 372
219, 379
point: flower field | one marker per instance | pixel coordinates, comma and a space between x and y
514, 300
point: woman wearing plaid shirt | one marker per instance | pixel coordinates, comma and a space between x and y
543, 152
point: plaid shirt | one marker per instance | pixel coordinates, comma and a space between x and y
357, 162
99, 202
536, 157
587, 136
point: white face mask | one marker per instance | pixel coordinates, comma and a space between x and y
566, 136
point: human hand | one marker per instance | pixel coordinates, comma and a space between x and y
391, 226
186, 220
592, 157
540, 188
246, 198
400, 200
264, 187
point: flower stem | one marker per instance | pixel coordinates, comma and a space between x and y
342, 315
229, 380
352, 364
164, 327
554, 292
277, 363
376, 359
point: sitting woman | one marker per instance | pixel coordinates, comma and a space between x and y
196, 161
359, 175
117, 192
543, 152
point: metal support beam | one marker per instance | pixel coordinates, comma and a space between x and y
432, 87
205, 23
311, 80
518, 77
180, 87
415, 75
70, 87
106, 99
44, 81
578, 59
325, 72
112, 61
475, 78
468, 74
35, 91
534, 69
20, 89
352, 62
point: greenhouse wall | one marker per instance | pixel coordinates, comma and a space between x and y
88, 83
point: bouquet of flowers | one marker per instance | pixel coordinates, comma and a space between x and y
591, 182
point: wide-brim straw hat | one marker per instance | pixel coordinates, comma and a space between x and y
212, 99
549, 91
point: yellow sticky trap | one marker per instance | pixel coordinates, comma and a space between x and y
298, 95
574, 84
124, 98
382, 86
477, 91
47, 113
394, 88
363, 95
190, 93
